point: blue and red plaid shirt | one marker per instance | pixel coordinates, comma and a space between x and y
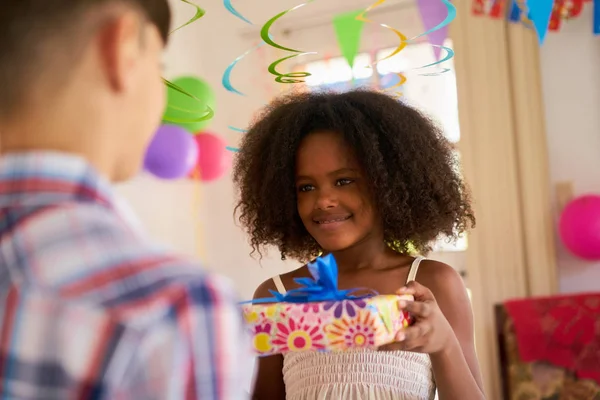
89, 309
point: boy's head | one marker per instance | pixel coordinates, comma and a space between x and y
327, 171
82, 76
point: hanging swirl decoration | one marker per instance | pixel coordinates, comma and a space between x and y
290, 77
208, 112
226, 79
404, 41
450, 16
401, 46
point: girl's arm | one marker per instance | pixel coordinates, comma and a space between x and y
269, 379
455, 368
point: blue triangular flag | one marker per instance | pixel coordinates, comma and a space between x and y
540, 12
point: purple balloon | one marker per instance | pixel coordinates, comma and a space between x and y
172, 153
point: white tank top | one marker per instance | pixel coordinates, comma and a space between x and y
358, 374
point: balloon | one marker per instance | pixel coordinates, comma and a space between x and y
172, 153
180, 106
579, 227
214, 159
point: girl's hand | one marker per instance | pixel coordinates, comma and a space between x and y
431, 332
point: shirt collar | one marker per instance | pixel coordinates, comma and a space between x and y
46, 178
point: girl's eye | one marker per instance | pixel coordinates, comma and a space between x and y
343, 182
306, 188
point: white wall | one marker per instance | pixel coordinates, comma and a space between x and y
571, 80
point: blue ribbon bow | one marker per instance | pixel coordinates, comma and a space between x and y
323, 286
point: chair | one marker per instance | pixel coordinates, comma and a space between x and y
535, 380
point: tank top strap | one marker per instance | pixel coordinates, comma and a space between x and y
279, 284
414, 268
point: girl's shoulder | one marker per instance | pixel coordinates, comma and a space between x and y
441, 279
434, 273
287, 280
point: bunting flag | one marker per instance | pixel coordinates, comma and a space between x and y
478, 7
548, 14
497, 10
574, 7
348, 30
515, 12
539, 13
432, 13
557, 15
596, 17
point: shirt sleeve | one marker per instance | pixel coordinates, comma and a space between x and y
199, 351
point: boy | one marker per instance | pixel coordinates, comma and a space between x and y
89, 309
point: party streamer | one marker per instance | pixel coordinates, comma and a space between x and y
209, 113
233, 128
449, 52
199, 14
231, 9
443, 70
404, 41
449, 18
401, 46
291, 77
449, 55
451, 15
226, 80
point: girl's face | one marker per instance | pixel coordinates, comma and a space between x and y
333, 198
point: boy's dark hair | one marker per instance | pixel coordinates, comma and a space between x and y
412, 169
27, 26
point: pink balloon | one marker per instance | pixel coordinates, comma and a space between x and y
579, 227
213, 158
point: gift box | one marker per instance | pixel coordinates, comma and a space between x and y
319, 317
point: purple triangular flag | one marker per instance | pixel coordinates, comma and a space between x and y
432, 13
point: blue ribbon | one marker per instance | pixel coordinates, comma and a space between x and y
323, 286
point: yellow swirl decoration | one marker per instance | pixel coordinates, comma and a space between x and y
208, 113
401, 46
291, 77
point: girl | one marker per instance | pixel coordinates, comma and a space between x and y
371, 180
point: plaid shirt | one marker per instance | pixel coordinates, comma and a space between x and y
89, 309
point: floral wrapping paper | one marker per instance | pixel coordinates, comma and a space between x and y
280, 328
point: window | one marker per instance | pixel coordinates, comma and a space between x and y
434, 93
336, 74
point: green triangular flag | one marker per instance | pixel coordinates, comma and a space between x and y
348, 31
